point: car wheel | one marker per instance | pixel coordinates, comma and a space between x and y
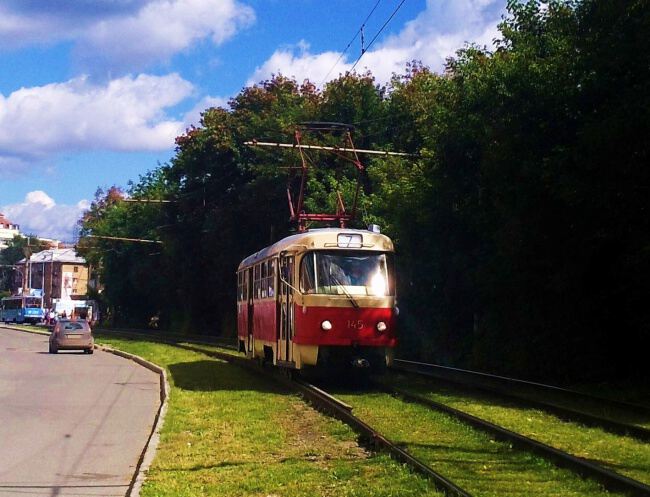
90, 351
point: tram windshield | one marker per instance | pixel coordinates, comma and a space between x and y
347, 273
32, 302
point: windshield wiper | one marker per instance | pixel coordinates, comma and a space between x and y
347, 294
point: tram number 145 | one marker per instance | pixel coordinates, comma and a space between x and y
355, 324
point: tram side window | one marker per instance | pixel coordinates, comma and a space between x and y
13, 304
271, 278
256, 281
244, 283
307, 283
264, 275
240, 286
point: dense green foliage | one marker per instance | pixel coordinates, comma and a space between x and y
522, 225
17, 249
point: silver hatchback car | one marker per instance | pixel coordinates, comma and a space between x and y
71, 335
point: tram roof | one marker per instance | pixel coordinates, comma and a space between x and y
320, 239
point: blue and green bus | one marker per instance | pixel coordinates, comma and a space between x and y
22, 309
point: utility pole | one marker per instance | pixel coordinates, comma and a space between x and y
51, 278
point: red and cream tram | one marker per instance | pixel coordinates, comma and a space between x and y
320, 297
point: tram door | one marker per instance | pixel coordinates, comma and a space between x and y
286, 309
249, 307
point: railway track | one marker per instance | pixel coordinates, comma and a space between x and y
321, 400
610, 480
338, 409
505, 387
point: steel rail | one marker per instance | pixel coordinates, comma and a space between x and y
453, 374
332, 406
611, 480
341, 411
561, 412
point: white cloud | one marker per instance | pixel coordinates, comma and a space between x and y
126, 114
300, 66
127, 35
163, 28
40, 215
435, 34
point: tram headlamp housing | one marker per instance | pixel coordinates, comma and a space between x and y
381, 327
326, 325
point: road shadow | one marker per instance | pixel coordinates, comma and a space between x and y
210, 376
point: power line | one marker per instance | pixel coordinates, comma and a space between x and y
359, 31
148, 200
123, 239
378, 33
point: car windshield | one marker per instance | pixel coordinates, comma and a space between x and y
347, 273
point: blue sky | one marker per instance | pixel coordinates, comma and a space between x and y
93, 92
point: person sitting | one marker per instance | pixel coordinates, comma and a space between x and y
357, 276
338, 275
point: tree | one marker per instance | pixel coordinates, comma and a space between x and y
20, 247
521, 227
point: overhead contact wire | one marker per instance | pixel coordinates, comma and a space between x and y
378, 33
360, 30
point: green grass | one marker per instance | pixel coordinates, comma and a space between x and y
230, 433
471, 459
622, 454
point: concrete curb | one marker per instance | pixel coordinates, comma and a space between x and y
34, 331
149, 450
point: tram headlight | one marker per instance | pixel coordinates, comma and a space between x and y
378, 285
381, 327
326, 325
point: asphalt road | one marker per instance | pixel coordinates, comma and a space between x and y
71, 424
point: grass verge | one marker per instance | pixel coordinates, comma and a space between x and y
477, 463
231, 433
621, 454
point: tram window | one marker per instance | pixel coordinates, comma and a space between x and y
240, 286
256, 282
264, 287
347, 272
269, 284
307, 281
